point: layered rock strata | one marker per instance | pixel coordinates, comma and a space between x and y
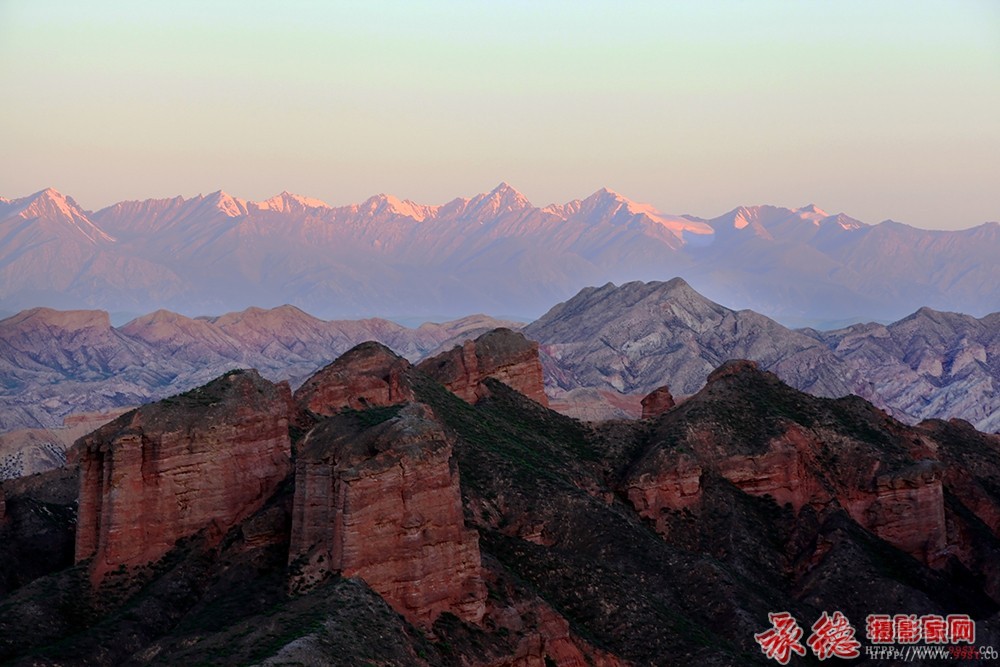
384, 504
656, 402
501, 354
367, 375
818, 455
206, 459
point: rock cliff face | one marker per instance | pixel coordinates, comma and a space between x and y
674, 484
548, 639
384, 504
202, 460
367, 375
657, 402
971, 465
816, 453
501, 354
908, 511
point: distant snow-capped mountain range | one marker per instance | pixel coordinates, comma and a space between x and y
495, 252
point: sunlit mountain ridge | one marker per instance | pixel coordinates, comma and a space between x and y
495, 252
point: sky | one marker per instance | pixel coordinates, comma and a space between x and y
880, 110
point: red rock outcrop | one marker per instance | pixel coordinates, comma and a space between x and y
383, 504
731, 368
822, 466
969, 456
973, 496
676, 485
657, 402
785, 471
905, 508
908, 511
367, 375
501, 354
206, 459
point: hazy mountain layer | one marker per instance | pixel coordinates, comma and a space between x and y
55, 363
636, 337
495, 252
601, 351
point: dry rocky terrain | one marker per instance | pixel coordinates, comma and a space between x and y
377, 517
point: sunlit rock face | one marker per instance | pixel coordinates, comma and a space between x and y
367, 375
384, 504
657, 402
501, 354
204, 460
755, 433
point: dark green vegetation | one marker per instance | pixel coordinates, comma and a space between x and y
548, 497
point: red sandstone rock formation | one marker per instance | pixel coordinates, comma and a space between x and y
675, 485
205, 459
905, 508
908, 511
965, 470
501, 354
731, 368
786, 471
657, 402
367, 375
821, 466
384, 504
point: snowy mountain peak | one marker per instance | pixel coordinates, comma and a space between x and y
50, 203
231, 206
844, 222
501, 199
286, 201
51, 206
812, 209
505, 189
383, 204
811, 213
607, 194
610, 204
744, 216
606, 201
801, 225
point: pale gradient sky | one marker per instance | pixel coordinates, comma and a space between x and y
877, 109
